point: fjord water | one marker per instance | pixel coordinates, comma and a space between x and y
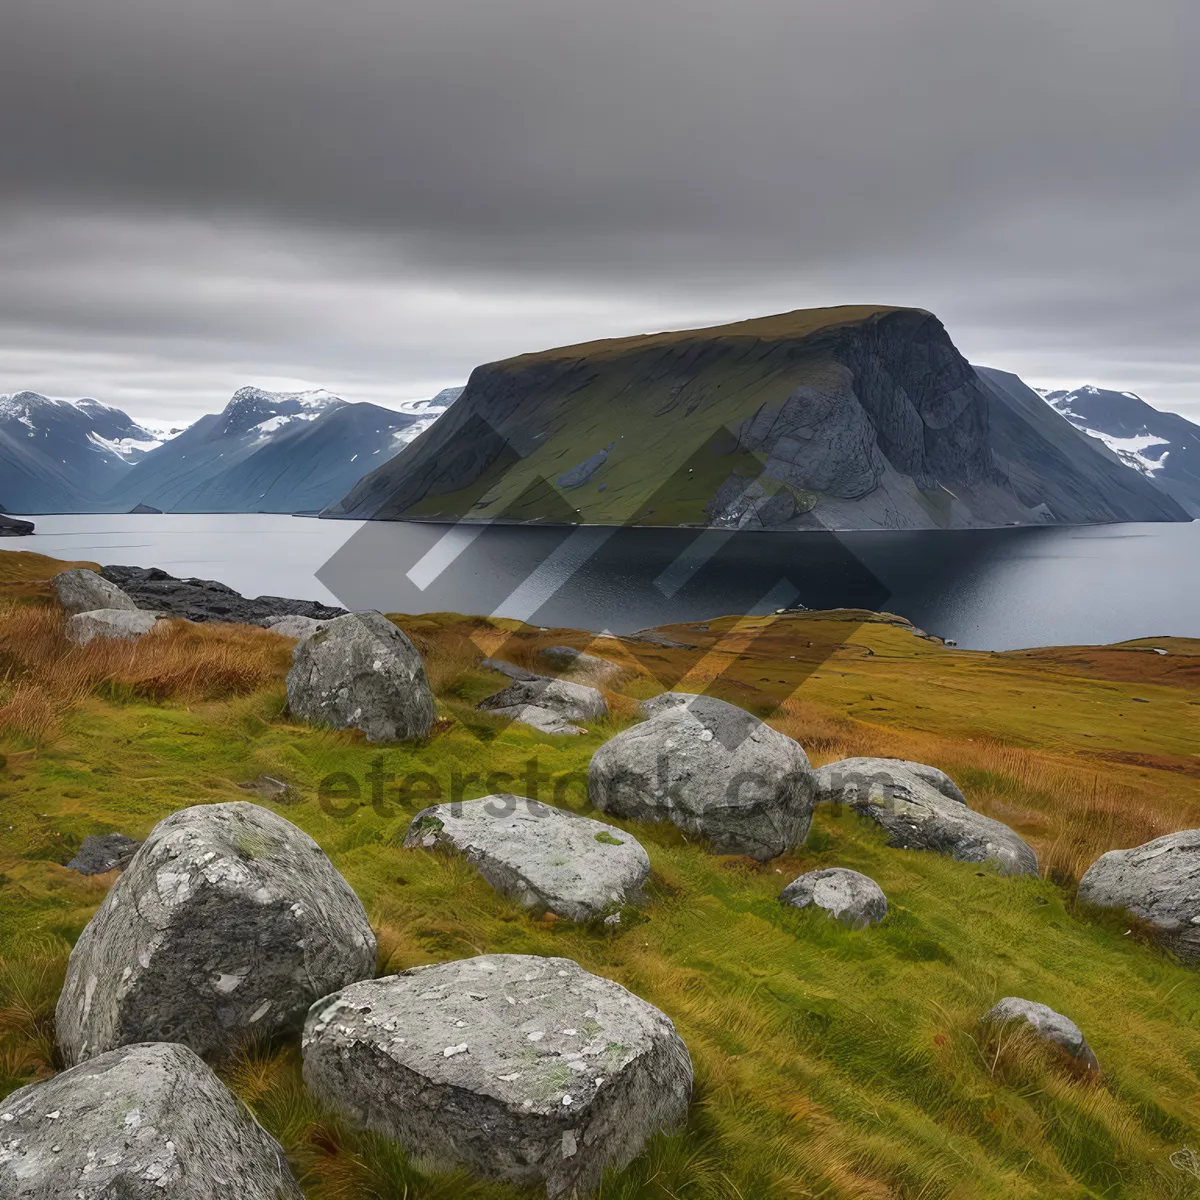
991, 589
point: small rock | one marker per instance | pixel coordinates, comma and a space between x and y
551, 705
712, 769
835, 777
148, 1122
226, 926
511, 669
1050, 1026
849, 896
545, 858
1158, 882
294, 626
120, 624
101, 853
83, 591
361, 672
917, 816
566, 1074
277, 791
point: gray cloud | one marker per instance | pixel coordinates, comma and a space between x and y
376, 195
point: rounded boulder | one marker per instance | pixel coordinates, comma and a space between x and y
522, 1069
226, 926
82, 591
712, 769
147, 1122
851, 897
361, 672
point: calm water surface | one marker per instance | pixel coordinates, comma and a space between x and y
986, 589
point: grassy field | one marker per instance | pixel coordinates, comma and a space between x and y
828, 1063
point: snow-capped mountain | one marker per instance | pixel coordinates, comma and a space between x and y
61, 455
272, 452
1163, 446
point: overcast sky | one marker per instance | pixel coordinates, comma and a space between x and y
375, 195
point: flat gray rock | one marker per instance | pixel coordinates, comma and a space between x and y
580, 664
294, 626
551, 705
82, 591
148, 1122
224, 929
511, 669
712, 769
521, 1069
361, 672
834, 778
1158, 882
919, 817
101, 853
122, 624
546, 859
850, 896
1049, 1025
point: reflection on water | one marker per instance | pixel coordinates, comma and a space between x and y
987, 589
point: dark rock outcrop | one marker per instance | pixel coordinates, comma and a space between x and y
147, 1122
12, 527
712, 769
207, 600
101, 853
522, 1069
226, 926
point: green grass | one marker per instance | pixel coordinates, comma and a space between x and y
829, 1062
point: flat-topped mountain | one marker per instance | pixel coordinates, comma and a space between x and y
838, 418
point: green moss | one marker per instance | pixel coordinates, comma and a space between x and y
608, 839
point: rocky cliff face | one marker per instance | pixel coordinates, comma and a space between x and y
844, 418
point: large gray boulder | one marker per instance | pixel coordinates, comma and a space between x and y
1158, 882
148, 1122
1050, 1026
120, 624
850, 896
361, 672
834, 778
545, 858
521, 1069
917, 816
551, 705
224, 929
712, 769
82, 591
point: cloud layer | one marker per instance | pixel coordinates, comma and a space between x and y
378, 194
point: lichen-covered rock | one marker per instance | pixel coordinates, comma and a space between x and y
712, 769
835, 778
225, 928
121, 624
917, 816
850, 896
361, 672
1049, 1025
551, 705
545, 858
294, 626
1158, 882
147, 1122
101, 853
521, 1069
84, 591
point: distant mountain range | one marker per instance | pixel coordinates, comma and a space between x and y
264, 452
1162, 446
840, 418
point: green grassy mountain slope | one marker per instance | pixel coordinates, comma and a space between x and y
853, 417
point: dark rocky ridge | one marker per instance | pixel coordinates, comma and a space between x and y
206, 600
837, 418
11, 527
